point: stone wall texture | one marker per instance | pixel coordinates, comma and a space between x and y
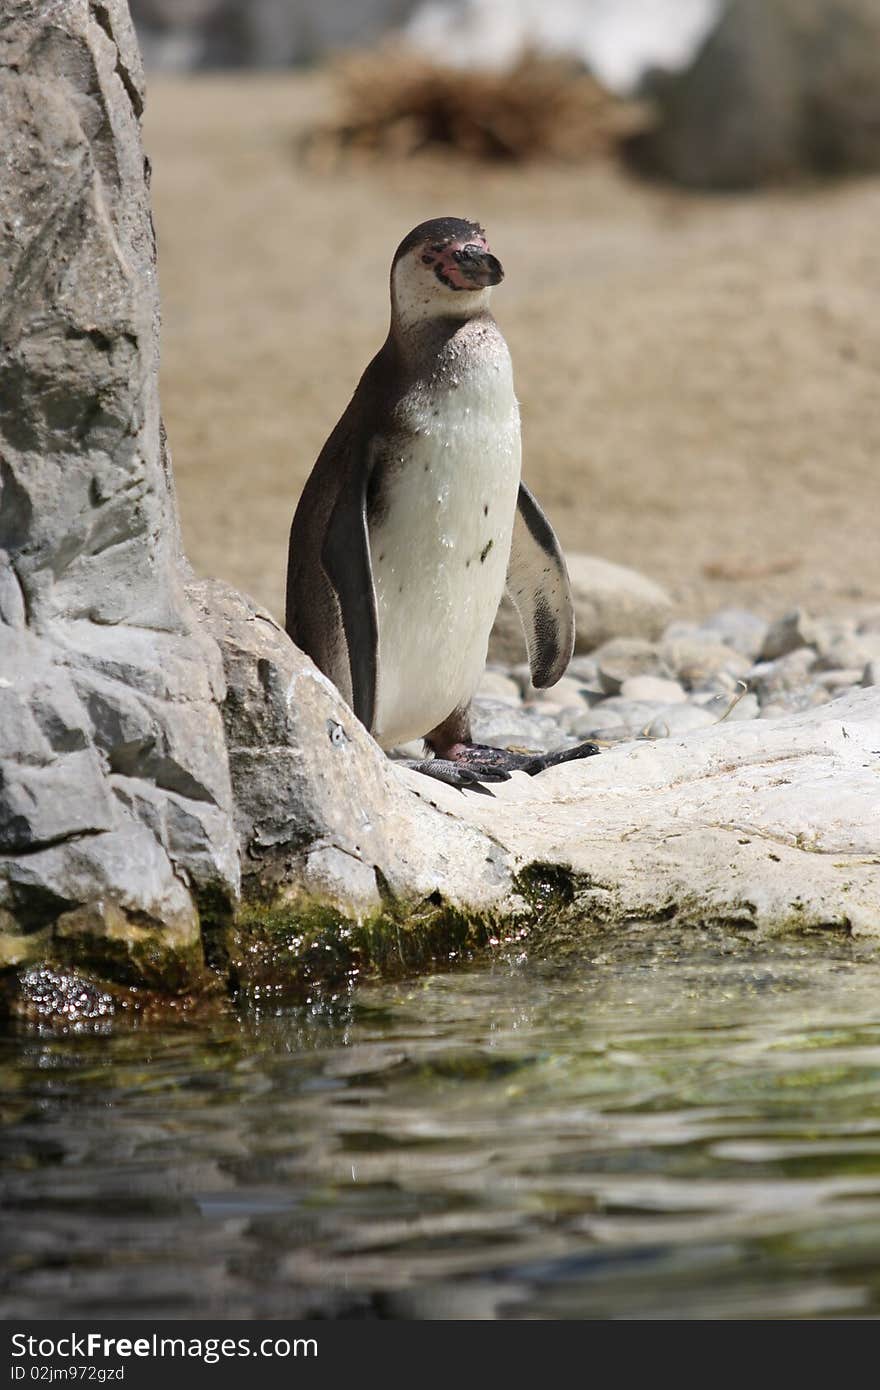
115, 797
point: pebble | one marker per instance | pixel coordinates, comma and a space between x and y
665, 692
786, 634
693, 661
497, 686
495, 721
566, 693
849, 649
737, 628
841, 679
769, 678
732, 666
624, 657
746, 707
679, 719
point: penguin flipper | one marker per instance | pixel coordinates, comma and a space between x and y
538, 584
345, 557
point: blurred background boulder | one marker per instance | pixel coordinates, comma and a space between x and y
779, 88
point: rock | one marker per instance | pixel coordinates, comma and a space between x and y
794, 701
585, 670
652, 688
115, 797
788, 633
848, 649
736, 628
780, 87
871, 674
614, 601
566, 694
497, 686
313, 791
623, 658
767, 826
694, 662
636, 714
502, 724
679, 719
584, 726
788, 672
725, 707
609, 601
840, 679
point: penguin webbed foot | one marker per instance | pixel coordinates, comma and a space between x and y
470, 765
541, 761
455, 773
484, 759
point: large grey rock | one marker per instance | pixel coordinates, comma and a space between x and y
609, 601
762, 825
319, 808
779, 87
115, 798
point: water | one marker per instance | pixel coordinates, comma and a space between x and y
657, 1129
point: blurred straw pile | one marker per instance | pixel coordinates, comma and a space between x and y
396, 104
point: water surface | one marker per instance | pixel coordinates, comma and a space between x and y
674, 1128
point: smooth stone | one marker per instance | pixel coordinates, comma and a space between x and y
498, 722
679, 719
787, 634
614, 601
736, 628
495, 686
586, 725
795, 701
871, 673
770, 678
849, 649
693, 661
585, 670
721, 683
565, 694
624, 657
651, 688
840, 679
721, 707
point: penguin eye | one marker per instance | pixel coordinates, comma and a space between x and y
427, 260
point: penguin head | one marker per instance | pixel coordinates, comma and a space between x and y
443, 267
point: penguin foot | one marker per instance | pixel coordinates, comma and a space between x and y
485, 760
541, 762
457, 774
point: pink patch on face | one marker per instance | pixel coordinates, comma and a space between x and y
447, 264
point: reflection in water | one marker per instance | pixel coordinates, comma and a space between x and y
656, 1130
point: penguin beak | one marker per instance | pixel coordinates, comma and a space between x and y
478, 266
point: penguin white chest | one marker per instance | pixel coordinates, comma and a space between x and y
440, 544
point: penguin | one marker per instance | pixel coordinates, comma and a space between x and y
415, 518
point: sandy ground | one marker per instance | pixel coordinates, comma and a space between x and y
699, 378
